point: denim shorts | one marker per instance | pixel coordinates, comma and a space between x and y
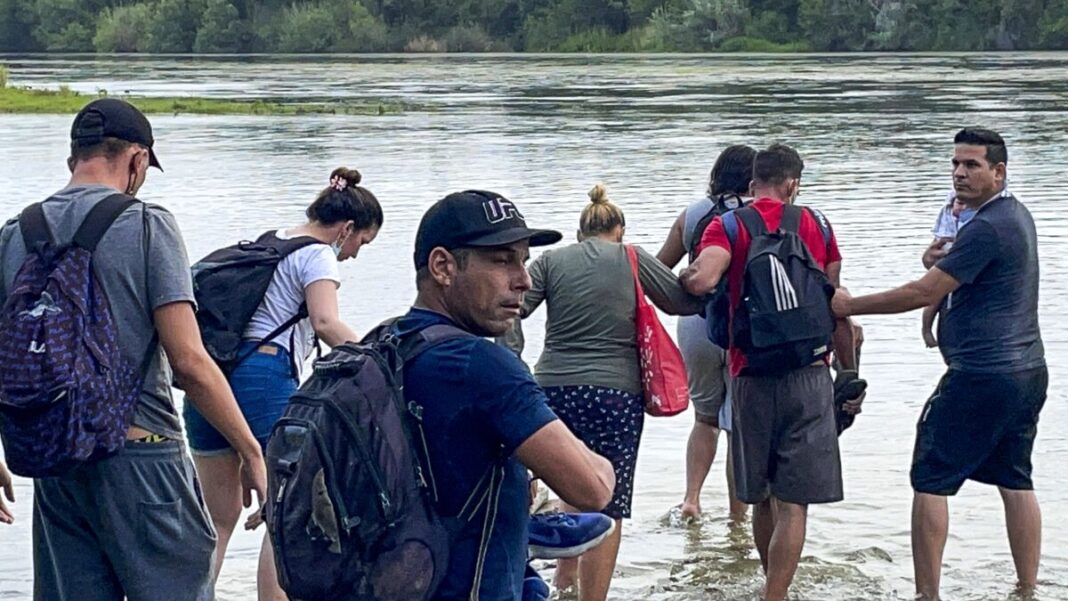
262, 385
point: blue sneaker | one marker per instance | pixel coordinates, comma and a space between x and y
534, 588
558, 535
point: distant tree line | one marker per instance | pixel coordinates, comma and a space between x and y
239, 26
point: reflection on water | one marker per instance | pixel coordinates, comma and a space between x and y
875, 132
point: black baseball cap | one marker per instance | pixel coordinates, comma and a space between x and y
475, 218
112, 118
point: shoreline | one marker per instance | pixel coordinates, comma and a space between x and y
33, 101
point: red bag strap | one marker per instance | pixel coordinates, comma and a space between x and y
632, 256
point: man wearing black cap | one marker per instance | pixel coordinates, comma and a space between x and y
482, 404
132, 525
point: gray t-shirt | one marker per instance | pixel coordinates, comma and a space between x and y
990, 323
141, 263
589, 332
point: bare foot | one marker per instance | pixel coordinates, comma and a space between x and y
564, 585
690, 510
739, 514
566, 575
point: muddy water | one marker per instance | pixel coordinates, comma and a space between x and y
875, 132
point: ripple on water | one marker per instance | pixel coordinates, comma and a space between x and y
875, 132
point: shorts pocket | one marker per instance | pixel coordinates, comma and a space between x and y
159, 525
172, 529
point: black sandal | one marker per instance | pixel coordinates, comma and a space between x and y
847, 387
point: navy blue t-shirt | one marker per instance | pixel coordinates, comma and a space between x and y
990, 324
480, 403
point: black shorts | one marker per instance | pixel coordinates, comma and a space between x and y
978, 426
784, 439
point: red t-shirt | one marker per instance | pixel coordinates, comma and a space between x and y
771, 211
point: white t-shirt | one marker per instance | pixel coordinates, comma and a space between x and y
946, 223
286, 293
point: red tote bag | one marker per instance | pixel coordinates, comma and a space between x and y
664, 382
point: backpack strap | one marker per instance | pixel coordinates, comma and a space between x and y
752, 221
823, 224
417, 343
99, 220
286, 246
791, 218
301, 313
719, 209
35, 230
730, 227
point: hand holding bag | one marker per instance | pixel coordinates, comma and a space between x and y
664, 383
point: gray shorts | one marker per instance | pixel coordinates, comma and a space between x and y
132, 526
785, 442
706, 371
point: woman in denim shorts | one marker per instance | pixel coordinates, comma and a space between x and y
343, 218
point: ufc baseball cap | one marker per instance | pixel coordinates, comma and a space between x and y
475, 218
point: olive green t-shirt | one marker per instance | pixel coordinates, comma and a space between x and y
588, 288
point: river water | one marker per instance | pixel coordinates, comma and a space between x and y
876, 134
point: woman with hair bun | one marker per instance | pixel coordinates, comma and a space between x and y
589, 367
343, 218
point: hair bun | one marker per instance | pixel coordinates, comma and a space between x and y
599, 195
351, 176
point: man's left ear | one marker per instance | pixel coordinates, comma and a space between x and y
142, 159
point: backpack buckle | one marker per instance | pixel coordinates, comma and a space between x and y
416, 410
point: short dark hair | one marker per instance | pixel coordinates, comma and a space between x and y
979, 136
776, 164
345, 200
732, 172
109, 149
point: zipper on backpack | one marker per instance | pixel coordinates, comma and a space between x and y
386, 505
417, 412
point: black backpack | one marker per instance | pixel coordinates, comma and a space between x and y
719, 207
784, 321
717, 301
351, 495
229, 285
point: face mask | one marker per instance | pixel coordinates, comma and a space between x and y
337, 244
132, 180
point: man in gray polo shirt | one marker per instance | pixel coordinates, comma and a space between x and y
981, 421
132, 525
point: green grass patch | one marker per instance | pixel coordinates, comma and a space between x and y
750, 44
64, 101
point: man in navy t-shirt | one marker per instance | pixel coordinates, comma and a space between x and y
481, 405
981, 421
